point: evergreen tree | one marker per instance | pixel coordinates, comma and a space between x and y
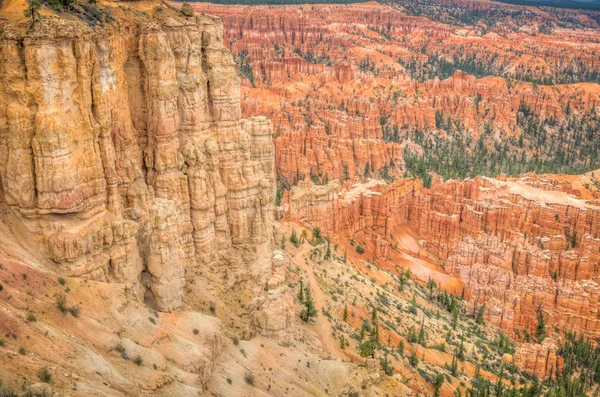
368, 347
480, 313
386, 365
342, 342
309, 310
32, 11
437, 384
421, 338
461, 348
540, 332
301, 292
454, 317
401, 347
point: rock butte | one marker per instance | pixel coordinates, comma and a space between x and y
124, 156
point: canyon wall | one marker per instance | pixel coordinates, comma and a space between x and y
524, 252
124, 155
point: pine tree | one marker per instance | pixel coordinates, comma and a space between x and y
454, 317
32, 10
461, 348
346, 174
301, 293
540, 332
421, 339
454, 366
342, 342
480, 312
430, 286
345, 312
437, 384
309, 310
368, 347
386, 365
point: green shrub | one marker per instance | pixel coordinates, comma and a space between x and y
249, 378
31, 317
74, 310
61, 303
119, 348
45, 376
360, 249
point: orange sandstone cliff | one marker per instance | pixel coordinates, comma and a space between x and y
522, 251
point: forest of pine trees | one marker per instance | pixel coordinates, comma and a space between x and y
569, 147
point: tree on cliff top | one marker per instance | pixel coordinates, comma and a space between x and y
32, 10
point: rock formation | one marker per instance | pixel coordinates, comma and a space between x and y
123, 152
524, 252
275, 316
539, 359
348, 88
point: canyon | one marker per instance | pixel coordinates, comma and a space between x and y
525, 248
351, 90
371, 90
179, 183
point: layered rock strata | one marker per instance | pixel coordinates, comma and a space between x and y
123, 152
350, 88
527, 254
541, 360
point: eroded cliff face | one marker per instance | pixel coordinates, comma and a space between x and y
350, 89
528, 249
528, 254
123, 152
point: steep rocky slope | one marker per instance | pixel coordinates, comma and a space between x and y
124, 160
527, 249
